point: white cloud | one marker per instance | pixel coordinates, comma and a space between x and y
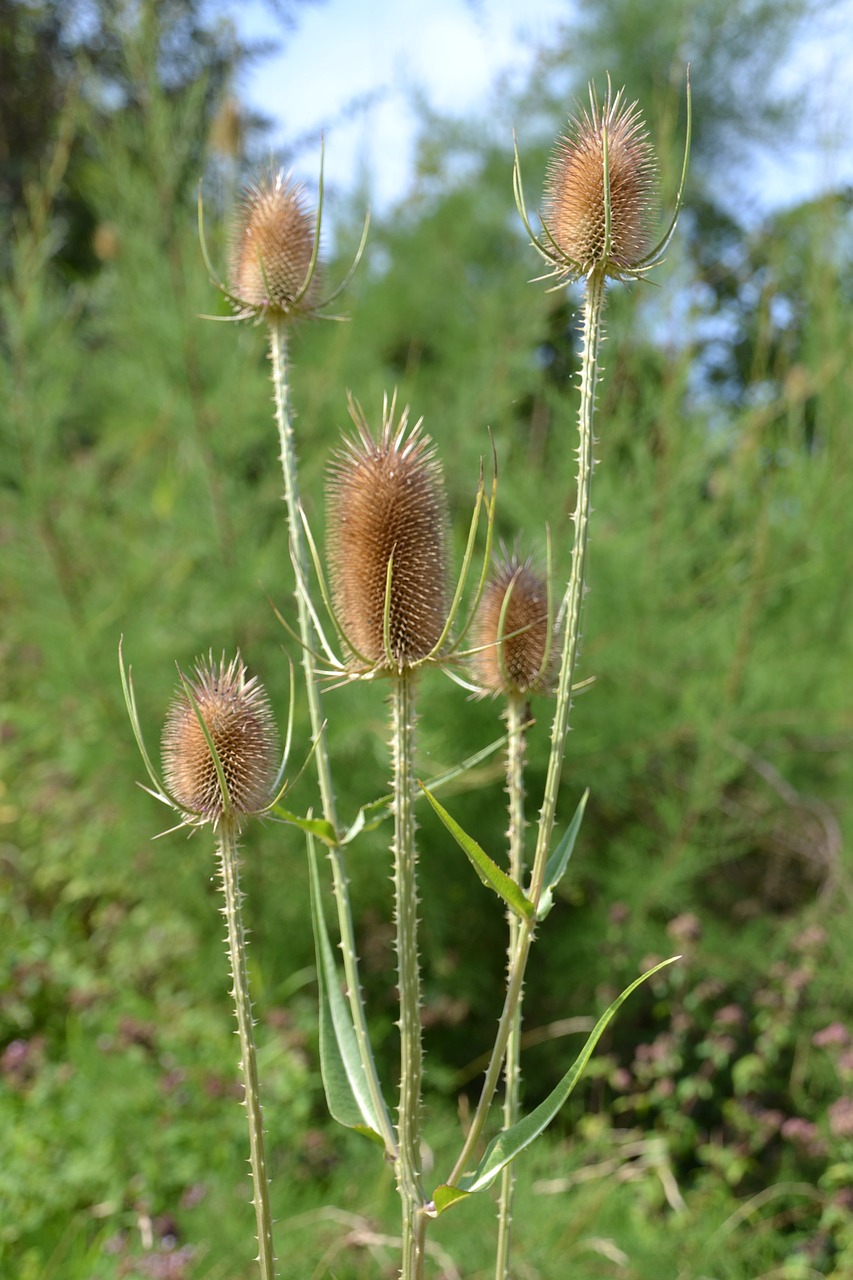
342, 50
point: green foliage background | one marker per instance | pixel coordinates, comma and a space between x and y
140, 496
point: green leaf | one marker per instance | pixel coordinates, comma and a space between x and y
355, 828
441, 780
372, 815
559, 859
444, 1197
368, 818
318, 827
489, 872
130, 703
507, 1145
347, 1094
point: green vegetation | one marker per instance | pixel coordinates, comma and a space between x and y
140, 495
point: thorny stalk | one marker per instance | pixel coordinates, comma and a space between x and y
278, 358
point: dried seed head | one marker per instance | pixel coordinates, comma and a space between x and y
574, 204
272, 245
386, 499
512, 626
237, 714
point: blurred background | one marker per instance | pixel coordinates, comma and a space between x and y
140, 495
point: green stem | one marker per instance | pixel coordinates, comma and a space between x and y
406, 911
229, 871
592, 312
512, 1000
516, 718
278, 358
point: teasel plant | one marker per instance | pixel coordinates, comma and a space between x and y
599, 200
275, 278
389, 601
515, 634
221, 767
601, 192
387, 598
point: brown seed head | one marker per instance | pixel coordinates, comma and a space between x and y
386, 499
517, 656
237, 714
272, 245
574, 204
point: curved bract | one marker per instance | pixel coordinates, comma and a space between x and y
600, 193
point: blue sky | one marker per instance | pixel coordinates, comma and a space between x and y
452, 50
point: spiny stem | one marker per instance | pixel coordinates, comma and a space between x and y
278, 359
592, 326
406, 905
592, 312
516, 717
230, 874
515, 984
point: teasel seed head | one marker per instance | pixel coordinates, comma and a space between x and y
272, 267
238, 718
514, 632
386, 503
575, 199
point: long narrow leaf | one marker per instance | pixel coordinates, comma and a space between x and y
130, 703
559, 860
318, 827
368, 818
470, 762
507, 1145
375, 812
347, 1095
489, 872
